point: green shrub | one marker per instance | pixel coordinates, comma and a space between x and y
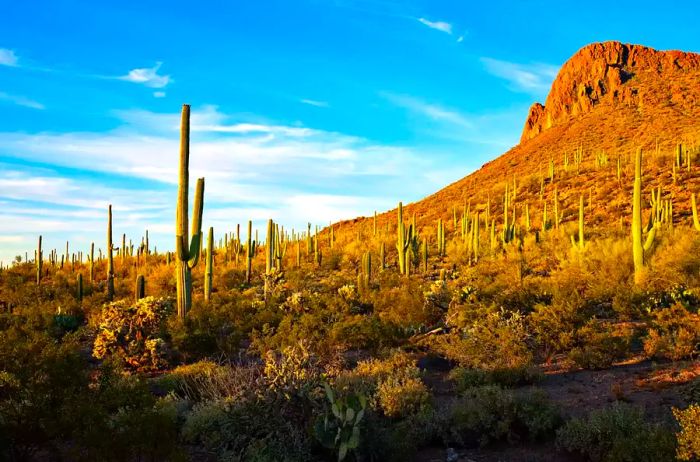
498, 341
617, 434
689, 435
674, 334
135, 332
489, 413
598, 347
465, 378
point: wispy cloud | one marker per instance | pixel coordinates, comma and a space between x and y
313, 102
492, 131
20, 101
534, 78
159, 94
8, 57
254, 170
432, 111
442, 26
148, 76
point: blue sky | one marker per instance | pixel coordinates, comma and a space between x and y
302, 110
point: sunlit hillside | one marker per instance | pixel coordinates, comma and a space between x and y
542, 308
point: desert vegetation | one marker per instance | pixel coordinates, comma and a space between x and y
462, 332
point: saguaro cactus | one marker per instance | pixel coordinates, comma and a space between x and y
580, 243
39, 258
402, 241
638, 249
187, 251
92, 262
209, 270
79, 288
140, 291
110, 256
249, 252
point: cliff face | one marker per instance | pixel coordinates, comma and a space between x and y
602, 76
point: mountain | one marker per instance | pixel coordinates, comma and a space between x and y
607, 100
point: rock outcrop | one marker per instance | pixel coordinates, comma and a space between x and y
612, 74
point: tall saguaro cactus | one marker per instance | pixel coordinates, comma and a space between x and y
638, 249
110, 256
39, 258
249, 252
187, 250
209, 270
401, 241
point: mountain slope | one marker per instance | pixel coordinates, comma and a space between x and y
608, 98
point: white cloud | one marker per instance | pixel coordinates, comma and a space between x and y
534, 78
253, 169
437, 25
5, 239
159, 94
8, 57
460, 39
21, 101
148, 76
313, 102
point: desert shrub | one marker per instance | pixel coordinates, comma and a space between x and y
616, 434
135, 332
497, 342
402, 396
554, 327
247, 429
484, 414
393, 385
294, 370
465, 378
674, 333
689, 435
536, 414
489, 413
678, 294
403, 306
598, 346
399, 440
209, 381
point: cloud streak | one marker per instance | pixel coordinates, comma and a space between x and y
20, 101
148, 76
534, 78
313, 102
253, 170
437, 25
8, 58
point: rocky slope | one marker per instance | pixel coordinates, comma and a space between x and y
604, 76
607, 100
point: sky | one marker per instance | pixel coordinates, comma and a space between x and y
302, 111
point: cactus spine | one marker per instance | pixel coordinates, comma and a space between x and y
188, 251
209, 269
